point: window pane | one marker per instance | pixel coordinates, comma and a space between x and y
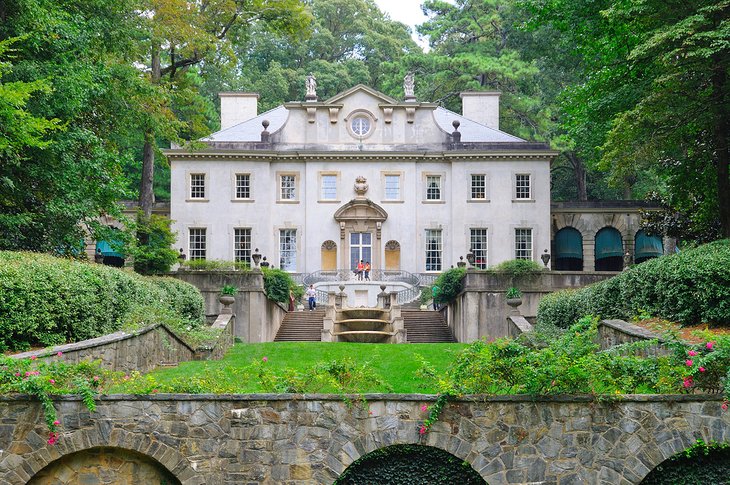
392, 187
478, 186
523, 244
478, 245
288, 249
242, 245
433, 187
197, 186
329, 187
197, 243
433, 250
522, 186
243, 186
288, 185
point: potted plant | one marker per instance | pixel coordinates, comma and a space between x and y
514, 298
226, 297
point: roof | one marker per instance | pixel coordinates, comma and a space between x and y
470, 130
250, 130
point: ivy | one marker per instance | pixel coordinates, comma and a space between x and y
700, 464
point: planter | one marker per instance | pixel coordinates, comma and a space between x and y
514, 303
226, 301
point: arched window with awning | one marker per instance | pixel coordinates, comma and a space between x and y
609, 250
647, 246
568, 250
110, 256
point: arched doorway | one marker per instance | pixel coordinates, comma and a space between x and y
392, 255
609, 250
328, 253
361, 223
409, 464
568, 250
647, 247
699, 465
116, 465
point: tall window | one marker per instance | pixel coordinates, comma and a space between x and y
433, 187
329, 187
479, 186
478, 245
288, 187
392, 187
197, 186
242, 244
198, 243
522, 186
243, 186
434, 249
361, 248
523, 244
288, 249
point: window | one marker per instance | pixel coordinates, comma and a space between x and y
197, 186
523, 244
288, 187
392, 187
197, 243
522, 186
329, 187
479, 186
360, 125
433, 187
288, 249
478, 245
243, 186
433, 249
242, 244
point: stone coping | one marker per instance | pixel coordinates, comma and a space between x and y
516, 398
630, 329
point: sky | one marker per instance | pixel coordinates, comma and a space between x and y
407, 11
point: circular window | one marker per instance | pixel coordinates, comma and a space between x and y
360, 125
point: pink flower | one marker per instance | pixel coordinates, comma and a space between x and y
59, 354
692, 353
687, 382
154, 391
424, 408
96, 378
52, 381
724, 406
27, 373
709, 345
370, 413
688, 362
56, 423
17, 374
702, 369
52, 438
265, 359
422, 430
33, 357
126, 378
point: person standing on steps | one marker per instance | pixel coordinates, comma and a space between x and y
435, 293
312, 296
367, 271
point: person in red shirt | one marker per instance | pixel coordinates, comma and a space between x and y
360, 269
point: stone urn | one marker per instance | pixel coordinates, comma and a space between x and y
226, 301
514, 303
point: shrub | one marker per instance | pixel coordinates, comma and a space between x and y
48, 301
155, 255
450, 284
690, 287
278, 283
517, 267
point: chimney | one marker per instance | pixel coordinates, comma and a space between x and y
482, 107
237, 107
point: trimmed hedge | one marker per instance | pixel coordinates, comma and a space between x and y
48, 301
690, 287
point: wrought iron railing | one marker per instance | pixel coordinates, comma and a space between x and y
322, 297
408, 295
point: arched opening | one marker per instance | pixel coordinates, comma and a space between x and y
328, 256
609, 250
647, 247
108, 252
409, 464
114, 465
568, 250
392, 255
701, 464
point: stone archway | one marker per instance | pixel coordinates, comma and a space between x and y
701, 464
409, 463
104, 465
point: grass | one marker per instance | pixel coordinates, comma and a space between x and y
396, 365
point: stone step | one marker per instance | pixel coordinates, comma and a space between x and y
303, 326
424, 326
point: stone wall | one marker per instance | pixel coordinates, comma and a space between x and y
285, 439
481, 311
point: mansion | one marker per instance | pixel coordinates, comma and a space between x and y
402, 184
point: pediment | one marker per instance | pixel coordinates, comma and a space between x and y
361, 210
383, 98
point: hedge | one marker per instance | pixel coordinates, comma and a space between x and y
689, 287
48, 301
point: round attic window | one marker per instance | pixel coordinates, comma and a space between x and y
360, 125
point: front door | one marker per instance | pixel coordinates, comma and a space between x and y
361, 248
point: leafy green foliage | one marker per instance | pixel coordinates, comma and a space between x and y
449, 284
47, 301
409, 465
699, 464
513, 293
155, 255
690, 287
278, 283
517, 267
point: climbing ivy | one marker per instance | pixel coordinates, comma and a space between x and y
409, 465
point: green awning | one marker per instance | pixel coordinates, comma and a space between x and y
568, 243
647, 246
105, 248
609, 243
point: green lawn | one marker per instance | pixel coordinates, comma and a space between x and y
238, 372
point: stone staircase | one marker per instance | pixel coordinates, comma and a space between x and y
424, 326
303, 326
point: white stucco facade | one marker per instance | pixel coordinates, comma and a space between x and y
428, 196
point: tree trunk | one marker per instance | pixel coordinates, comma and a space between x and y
722, 155
579, 172
146, 188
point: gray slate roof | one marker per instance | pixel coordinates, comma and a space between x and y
250, 130
470, 130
